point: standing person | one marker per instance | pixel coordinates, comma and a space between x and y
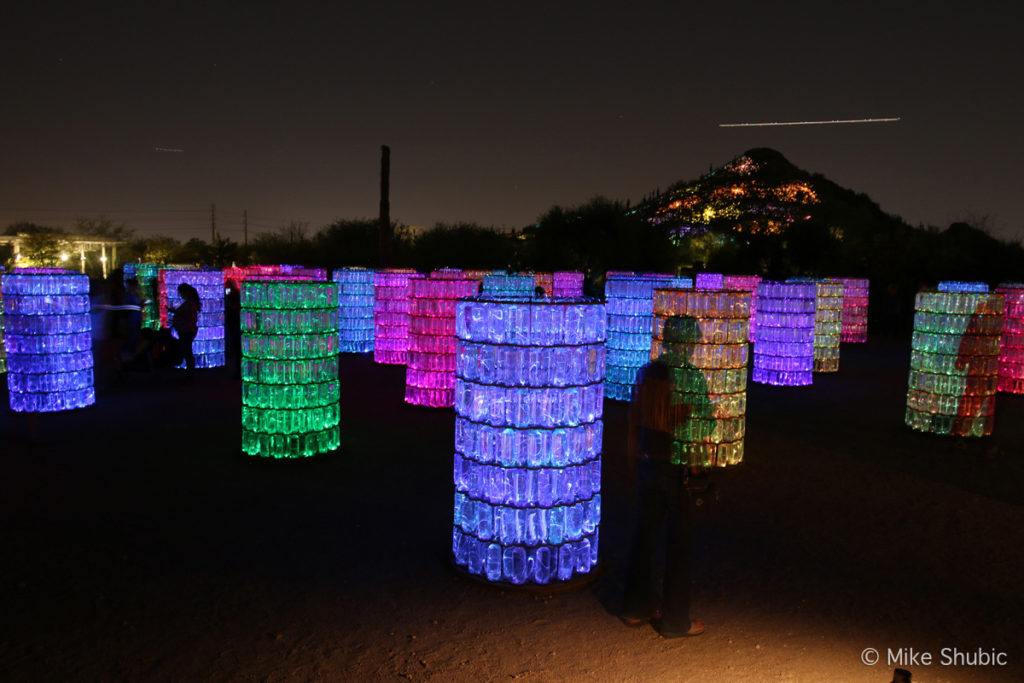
667, 399
186, 322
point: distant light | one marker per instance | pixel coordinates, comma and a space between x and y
168, 149
63, 256
807, 123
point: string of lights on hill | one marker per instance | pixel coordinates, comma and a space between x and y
757, 193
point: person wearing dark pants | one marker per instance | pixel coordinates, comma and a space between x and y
667, 399
664, 501
185, 322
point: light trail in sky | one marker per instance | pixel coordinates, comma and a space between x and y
768, 124
168, 149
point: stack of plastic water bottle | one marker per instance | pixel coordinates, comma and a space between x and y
567, 283
508, 284
828, 325
1011, 354
702, 336
528, 433
954, 362
3, 351
304, 273
208, 346
391, 307
146, 275
855, 310
236, 275
355, 309
630, 314
745, 283
430, 372
290, 392
959, 286
709, 281
48, 340
784, 345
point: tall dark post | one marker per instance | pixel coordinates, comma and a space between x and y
384, 232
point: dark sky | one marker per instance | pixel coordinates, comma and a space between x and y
495, 111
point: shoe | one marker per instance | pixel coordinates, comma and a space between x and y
696, 628
633, 622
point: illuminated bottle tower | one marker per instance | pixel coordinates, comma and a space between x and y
208, 346
528, 434
784, 345
509, 284
355, 309
702, 336
391, 308
828, 325
954, 362
958, 286
630, 317
290, 391
563, 283
709, 281
3, 351
1011, 353
855, 310
430, 372
48, 340
146, 275
749, 284
567, 283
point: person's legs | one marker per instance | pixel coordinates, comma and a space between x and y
675, 605
189, 357
639, 596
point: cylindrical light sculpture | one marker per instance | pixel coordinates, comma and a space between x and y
702, 336
391, 306
855, 309
710, 281
146, 274
958, 286
828, 325
561, 284
784, 345
208, 347
48, 340
355, 310
528, 434
630, 314
430, 372
745, 283
290, 391
509, 284
567, 283
954, 362
3, 351
1011, 352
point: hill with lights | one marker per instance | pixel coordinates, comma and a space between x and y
761, 193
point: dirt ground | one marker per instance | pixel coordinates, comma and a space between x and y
139, 544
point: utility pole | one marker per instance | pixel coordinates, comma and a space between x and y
213, 223
245, 227
384, 226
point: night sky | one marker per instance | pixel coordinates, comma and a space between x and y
494, 112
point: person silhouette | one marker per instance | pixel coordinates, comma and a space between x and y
671, 402
185, 322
